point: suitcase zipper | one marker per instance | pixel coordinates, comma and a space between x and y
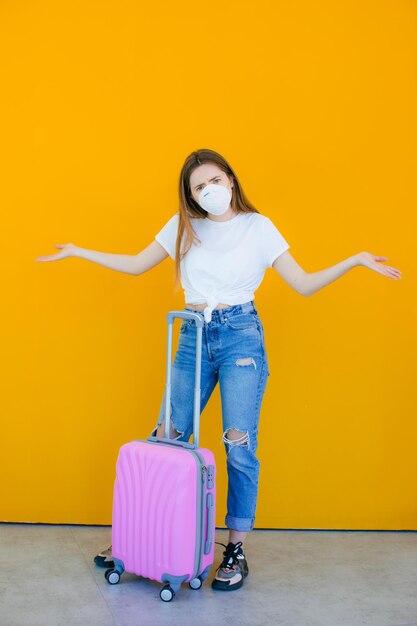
200, 510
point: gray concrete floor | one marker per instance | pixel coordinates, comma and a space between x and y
297, 578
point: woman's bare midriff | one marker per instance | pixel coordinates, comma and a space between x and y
201, 307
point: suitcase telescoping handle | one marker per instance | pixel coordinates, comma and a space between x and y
171, 315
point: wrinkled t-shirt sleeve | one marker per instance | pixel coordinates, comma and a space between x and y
273, 242
167, 236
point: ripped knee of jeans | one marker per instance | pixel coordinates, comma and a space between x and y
159, 431
233, 437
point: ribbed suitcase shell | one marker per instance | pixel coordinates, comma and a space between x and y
158, 531
164, 498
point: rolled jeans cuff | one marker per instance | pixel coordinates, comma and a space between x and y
241, 524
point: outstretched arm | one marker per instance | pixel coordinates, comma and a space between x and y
128, 263
306, 283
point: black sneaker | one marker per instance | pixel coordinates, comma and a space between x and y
233, 569
103, 558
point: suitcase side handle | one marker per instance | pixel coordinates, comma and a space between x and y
210, 523
199, 321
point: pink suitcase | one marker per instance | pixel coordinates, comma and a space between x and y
164, 499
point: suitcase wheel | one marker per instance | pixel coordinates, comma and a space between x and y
195, 583
112, 576
167, 593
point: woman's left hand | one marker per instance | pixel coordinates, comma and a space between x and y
374, 263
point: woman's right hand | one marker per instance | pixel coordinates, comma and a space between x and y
67, 250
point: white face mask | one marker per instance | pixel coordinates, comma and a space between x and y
215, 199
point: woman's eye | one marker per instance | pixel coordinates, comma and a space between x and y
215, 180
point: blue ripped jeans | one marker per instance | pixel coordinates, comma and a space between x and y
233, 353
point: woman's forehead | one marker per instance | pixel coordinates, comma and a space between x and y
204, 171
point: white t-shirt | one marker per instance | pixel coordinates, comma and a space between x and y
230, 263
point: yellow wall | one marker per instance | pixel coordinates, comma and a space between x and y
314, 105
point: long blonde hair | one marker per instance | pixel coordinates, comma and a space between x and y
189, 208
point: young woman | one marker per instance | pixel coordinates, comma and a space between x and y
222, 246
